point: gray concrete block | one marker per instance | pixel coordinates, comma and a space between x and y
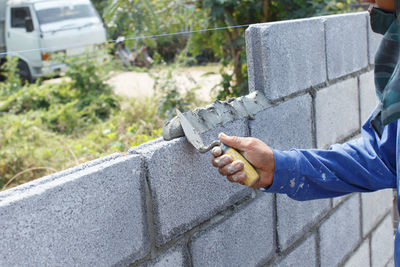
175, 256
337, 200
285, 126
390, 263
22, 188
340, 233
296, 217
374, 207
368, 99
286, 57
374, 40
336, 112
360, 256
303, 255
382, 243
93, 217
346, 43
244, 239
135, 149
186, 189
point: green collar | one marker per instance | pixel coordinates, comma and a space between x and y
387, 76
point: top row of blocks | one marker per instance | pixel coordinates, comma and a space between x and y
290, 56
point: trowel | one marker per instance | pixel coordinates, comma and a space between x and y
194, 138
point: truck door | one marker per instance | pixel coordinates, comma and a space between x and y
18, 38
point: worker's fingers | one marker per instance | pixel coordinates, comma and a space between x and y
256, 152
239, 143
216, 151
220, 162
232, 168
238, 177
214, 162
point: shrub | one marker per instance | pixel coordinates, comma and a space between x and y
49, 127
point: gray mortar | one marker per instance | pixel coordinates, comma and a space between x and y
225, 111
221, 112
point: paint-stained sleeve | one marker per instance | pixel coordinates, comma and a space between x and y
363, 165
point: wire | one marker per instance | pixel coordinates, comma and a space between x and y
53, 48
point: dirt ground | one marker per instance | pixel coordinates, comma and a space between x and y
139, 84
136, 84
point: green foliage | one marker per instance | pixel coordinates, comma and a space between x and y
28, 147
10, 72
170, 97
143, 18
285, 9
100, 5
229, 45
49, 127
87, 75
83, 99
136, 18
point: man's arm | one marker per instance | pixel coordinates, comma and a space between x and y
363, 165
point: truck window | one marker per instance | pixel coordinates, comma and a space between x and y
62, 13
18, 15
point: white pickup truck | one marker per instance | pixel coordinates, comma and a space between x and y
36, 30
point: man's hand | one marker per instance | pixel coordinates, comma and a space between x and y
254, 150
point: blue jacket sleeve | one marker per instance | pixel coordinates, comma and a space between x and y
363, 165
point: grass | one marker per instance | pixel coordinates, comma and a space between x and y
48, 127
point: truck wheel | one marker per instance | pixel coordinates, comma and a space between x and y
24, 71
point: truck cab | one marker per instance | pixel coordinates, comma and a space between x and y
36, 31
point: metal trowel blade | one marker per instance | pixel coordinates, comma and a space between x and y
191, 133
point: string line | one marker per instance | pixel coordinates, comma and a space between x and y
47, 49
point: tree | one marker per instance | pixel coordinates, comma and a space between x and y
149, 17
230, 44
136, 18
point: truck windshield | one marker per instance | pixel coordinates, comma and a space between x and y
54, 11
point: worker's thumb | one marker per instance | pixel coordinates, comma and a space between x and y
233, 141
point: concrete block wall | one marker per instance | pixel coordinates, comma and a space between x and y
314, 107
163, 204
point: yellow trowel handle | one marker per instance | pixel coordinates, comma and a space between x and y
251, 174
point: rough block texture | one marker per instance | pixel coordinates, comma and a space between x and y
304, 255
186, 189
382, 243
390, 263
374, 41
374, 207
335, 107
285, 126
286, 57
143, 147
245, 239
173, 257
346, 43
22, 188
368, 99
93, 217
343, 224
360, 256
337, 200
295, 217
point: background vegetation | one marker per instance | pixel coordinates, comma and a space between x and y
134, 18
49, 127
